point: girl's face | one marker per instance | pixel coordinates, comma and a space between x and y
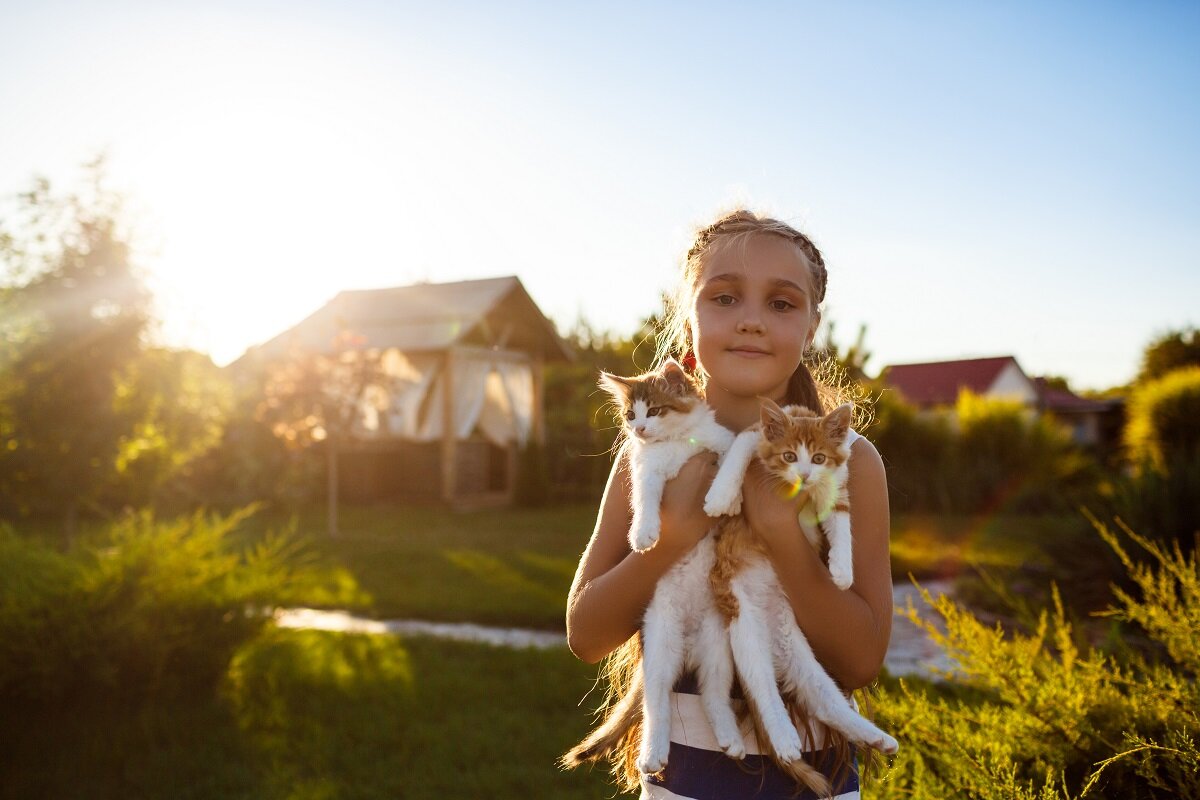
753, 316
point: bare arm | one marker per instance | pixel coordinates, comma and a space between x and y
613, 585
848, 629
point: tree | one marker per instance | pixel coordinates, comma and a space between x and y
312, 398
74, 313
1169, 352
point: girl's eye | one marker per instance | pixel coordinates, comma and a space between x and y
781, 305
789, 457
724, 300
654, 412
819, 458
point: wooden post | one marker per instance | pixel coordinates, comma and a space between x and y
539, 400
449, 459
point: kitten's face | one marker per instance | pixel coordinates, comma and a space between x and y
801, 448
654, 406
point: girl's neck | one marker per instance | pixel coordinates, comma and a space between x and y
736, 412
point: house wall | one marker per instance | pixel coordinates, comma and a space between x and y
1013, 384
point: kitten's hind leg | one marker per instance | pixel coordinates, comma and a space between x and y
752, 649
824, 700
662, 662
725, 494
715, 675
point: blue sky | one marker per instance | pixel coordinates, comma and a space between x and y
984, 179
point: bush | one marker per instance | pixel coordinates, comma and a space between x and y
1164, 419
145, 608
1042, 714
987, 455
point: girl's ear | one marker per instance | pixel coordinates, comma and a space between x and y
615, 385
774, 420
837, 422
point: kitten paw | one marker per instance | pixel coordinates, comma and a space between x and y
788, 746
642, 540
886, 745
652, 759
843, 577
720, 504
736, 750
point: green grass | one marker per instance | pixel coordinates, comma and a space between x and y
307, 714
505, 567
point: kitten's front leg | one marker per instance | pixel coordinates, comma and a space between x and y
647, 495
841, 550
725, 494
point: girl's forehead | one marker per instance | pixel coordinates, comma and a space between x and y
761, 257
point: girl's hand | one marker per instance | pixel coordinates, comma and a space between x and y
770, 513
684, 522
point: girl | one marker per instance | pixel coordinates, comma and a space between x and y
746, 311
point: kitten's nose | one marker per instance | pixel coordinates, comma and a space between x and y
640, 430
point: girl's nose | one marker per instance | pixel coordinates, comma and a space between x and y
750, 326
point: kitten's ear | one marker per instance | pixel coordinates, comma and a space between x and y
676, 377
774, 419
620, 388
837, 422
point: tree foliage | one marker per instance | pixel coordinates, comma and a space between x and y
77, 310
1169, 352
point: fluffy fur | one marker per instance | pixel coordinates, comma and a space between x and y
808, 455
667, 422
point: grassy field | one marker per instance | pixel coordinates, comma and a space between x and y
306, 714
514, 567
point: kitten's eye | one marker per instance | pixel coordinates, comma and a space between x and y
819, 458
654, 412
789, 457
629, 416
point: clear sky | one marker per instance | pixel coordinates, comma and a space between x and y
984, 179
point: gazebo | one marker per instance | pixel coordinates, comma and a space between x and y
464, 365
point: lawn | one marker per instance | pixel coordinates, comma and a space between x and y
514, 567
307, 714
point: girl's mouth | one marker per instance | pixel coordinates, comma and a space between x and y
749, 352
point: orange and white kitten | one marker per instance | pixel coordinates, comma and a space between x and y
808, 455
667, 422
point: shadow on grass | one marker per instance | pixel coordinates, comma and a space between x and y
311, 714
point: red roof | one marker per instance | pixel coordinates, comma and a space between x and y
939, 382
1065, 401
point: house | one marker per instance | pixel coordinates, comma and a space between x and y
464, 363
936, 385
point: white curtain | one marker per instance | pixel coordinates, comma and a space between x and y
493, 393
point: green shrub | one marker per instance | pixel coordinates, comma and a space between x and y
1043, 714
1164, 419
147, 607
989, 454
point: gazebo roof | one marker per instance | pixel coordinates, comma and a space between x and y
424, 317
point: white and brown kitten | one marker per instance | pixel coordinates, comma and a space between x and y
667, 422
808, 455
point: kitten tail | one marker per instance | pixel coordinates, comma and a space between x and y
609, 737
